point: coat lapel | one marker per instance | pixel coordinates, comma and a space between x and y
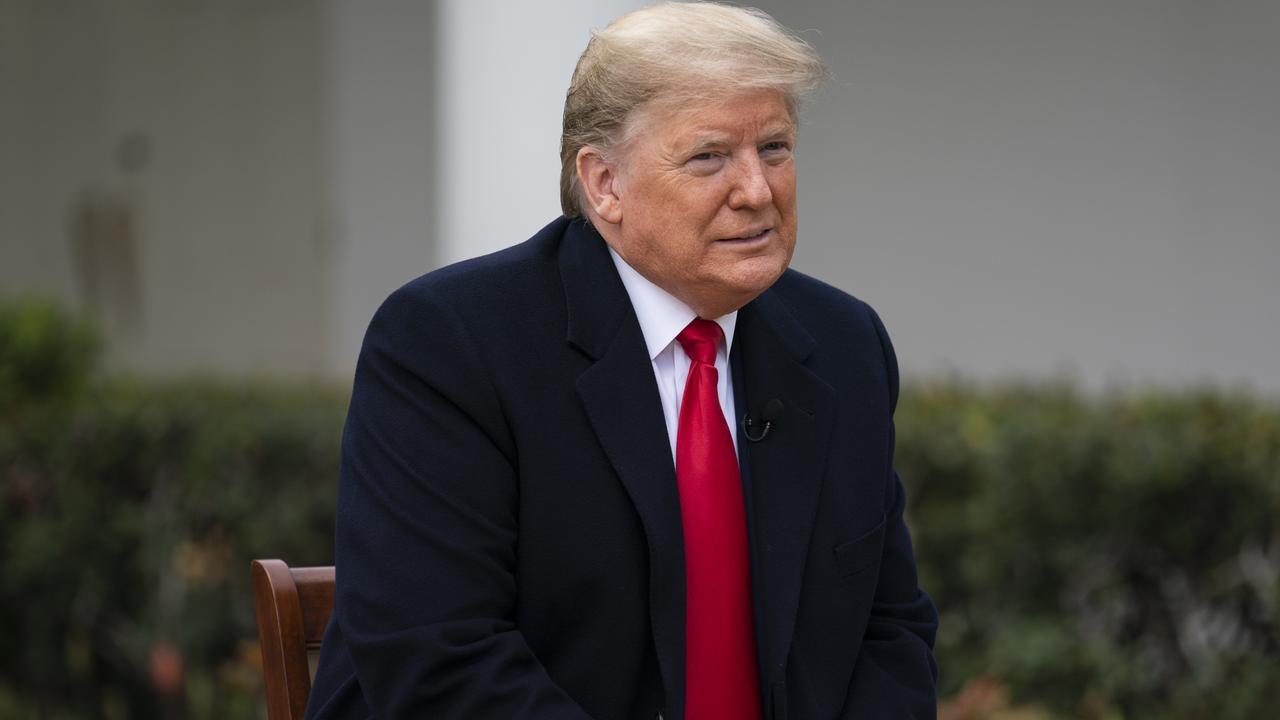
621, 400
784, 470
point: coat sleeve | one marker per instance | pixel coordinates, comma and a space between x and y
896, 675
426, 528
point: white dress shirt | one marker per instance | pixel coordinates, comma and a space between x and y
662, 317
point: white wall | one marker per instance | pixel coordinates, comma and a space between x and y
223, 209
1033, 188
1021, 187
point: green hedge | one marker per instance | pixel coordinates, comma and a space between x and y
1114, 557
131, 510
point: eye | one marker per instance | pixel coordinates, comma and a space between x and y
704, 163
776, 152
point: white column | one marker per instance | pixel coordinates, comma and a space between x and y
381, 160
505, 69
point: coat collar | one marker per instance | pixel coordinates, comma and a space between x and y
782, 473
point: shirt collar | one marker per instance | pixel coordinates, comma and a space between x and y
661, 315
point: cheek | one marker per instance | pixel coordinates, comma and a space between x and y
696, 222
710, 207
783, 187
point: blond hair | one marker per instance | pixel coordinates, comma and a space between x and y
674, 54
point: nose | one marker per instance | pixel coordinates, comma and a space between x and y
750, 185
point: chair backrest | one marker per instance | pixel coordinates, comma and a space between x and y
293, 607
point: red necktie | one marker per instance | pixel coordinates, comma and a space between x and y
721, 680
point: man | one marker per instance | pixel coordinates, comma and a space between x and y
634, 467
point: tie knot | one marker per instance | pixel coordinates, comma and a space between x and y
700, 339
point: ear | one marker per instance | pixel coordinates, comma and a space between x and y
599, 179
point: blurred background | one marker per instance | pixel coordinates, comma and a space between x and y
1068, 214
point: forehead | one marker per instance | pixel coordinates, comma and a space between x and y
747, 115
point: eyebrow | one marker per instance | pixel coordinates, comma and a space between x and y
707, 142
713, 140
773, 132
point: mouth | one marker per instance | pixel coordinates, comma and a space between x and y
753, 235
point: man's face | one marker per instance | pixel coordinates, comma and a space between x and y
708, 200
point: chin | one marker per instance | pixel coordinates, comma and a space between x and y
758, 274
733, 292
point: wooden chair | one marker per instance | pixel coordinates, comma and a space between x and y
293, 607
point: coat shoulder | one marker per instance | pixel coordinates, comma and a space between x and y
828, 313
495, 279
492, 273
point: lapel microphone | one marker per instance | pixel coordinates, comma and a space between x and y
772, 411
